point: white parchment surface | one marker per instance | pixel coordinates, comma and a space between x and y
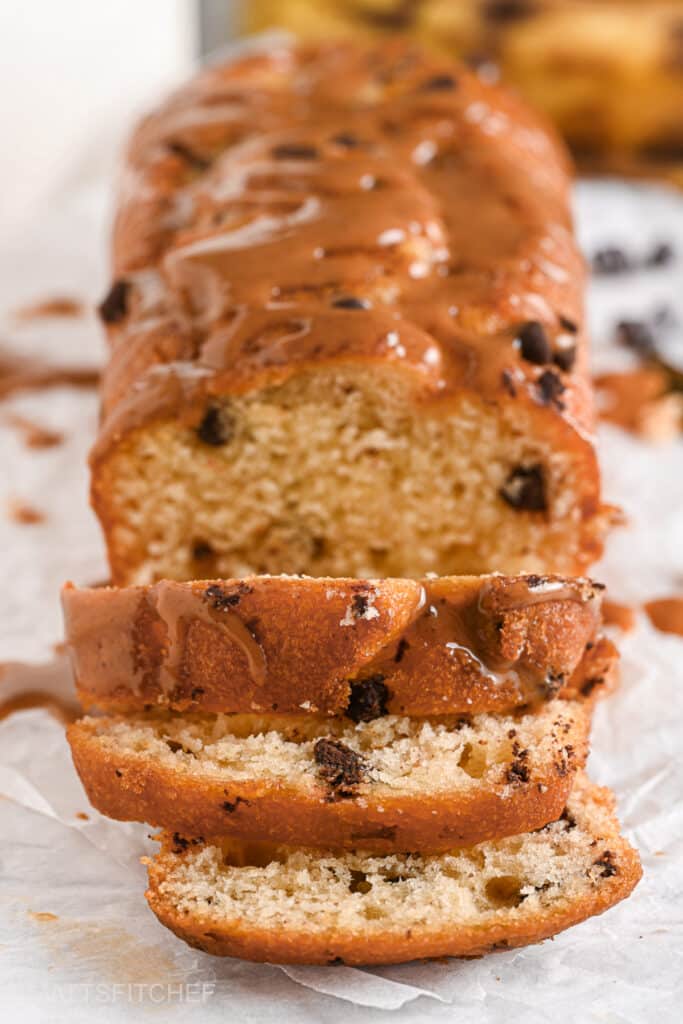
76, 936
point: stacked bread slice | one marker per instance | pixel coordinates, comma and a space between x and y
386, 768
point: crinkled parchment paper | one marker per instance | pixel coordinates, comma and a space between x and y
75, 932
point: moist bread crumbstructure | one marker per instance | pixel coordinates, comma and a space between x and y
347, 329
360, 648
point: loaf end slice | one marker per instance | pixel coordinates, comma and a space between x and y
287, 905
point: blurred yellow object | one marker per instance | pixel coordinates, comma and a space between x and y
609, 72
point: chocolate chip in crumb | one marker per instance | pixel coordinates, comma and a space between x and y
565, 358
568, 325
114, 306
525, 489
230, 806
351, 302
294, 151
217, 427
533, 343
223, 598
341, 768
607, 862
591, 684
359, 605
368, 699
201, 550
439, 83
637, 336
550, 387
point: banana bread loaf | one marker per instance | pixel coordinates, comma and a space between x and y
347, 329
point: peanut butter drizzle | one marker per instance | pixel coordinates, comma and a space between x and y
177, 606
510, 594
349, 175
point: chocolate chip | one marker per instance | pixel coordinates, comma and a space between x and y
607, 862
660, 256
508, 10
347, 140
525, 488
550, 387
368, 699
351, 302
508, 381
590, 684
568, 819
231, 805
359, 605
517, 773
336, 961
637, 336
340, 767
401, 649
197, 692
553, 683
217, 427
611, 260
114, 306
201, 550
533, 580
294, 151
565, 358
568, 325
533, 343
223, 597
439, 83
183, 152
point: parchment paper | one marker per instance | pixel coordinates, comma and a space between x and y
75, 932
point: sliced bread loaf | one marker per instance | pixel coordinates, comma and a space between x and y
394, 783
291, 905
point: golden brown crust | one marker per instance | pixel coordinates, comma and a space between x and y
230, 937
448, 212
288, 644
139, 787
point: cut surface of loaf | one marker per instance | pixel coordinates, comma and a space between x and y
289, 905
347, 329
390, 784
360, 648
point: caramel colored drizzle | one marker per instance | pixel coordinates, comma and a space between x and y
64, 711
18, 374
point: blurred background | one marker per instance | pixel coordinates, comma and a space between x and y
609, 72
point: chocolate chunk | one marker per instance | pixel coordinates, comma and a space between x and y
611, 260
568, 325
340, 767
368, 699
347, 140
660, 256
508, 10
201, 550
359, 605
351, 302
565, 358
114, 306
336, 961
231, 805
517, 773
568, 819
403, 646
217, 428
525, 488
637, 336
294, 151
607, 862
590, 684
550, 387
439, 83
183, 152
222, 598
533, 343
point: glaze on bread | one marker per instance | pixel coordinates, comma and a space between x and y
347, 329
360, 648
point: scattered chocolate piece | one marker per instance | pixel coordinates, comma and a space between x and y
217, 427
508, 10
568, 819
403, 646
223, 597
368, 699
610, 260
525, 489
533, 343
591, 684
346, 139
565, 358
342, 768
114, 306
439, 83
550, 387
608, 864
351, 302
637, 336
231, 805
359, 605
294, 151
568, 325
201, 550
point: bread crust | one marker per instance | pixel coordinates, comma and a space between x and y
394, 945
198, 321
286, 644
137, 787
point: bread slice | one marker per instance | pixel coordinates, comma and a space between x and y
362, 648
394, 783
289, 905
347, 329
